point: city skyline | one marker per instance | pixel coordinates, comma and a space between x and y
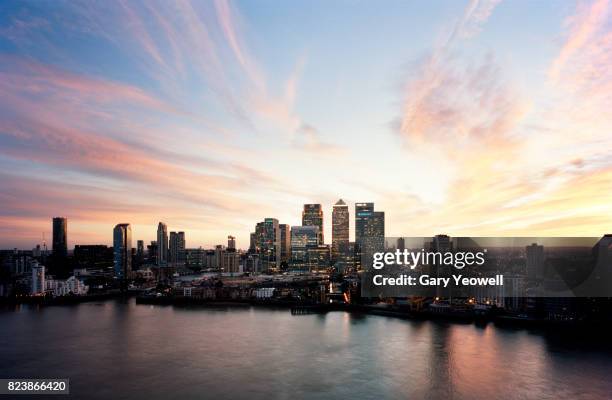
313, 215
210, 116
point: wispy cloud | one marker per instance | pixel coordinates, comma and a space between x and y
588, 35
470, 113
180, 110
120, 135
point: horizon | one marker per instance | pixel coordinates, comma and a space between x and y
549, 242
212, 116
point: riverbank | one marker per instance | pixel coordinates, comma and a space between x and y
400, 313
62, 300
296, 309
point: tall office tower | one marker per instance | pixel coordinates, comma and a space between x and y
231, 242
363, 212
38, 278
152, 253
401, 243
303, 238
140, 248
176, 254
172, 248
535, 261
122, 250
253, 242
441, 243
340, 230
268, 243
162, 244
285, 239
369, 233
60, 237
313, 216
140, 255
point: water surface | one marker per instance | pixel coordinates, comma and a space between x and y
124, 351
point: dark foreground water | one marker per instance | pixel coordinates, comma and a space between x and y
114, 350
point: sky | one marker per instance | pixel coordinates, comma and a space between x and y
470, 118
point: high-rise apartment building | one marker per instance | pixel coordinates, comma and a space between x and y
122, 250
176, 253
60, 237
162, 244
231, 242
38, 278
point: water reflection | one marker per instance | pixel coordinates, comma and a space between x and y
165, 352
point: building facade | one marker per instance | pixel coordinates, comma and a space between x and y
535, 261
369, 233
268, 244
162, 244
122, 251
231, 242
285, 238
340, 230
312, 215
60, 237
303, 239
176, 251
38, 285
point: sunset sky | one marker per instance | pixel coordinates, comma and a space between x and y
479, 118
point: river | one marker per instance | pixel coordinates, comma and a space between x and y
120, 350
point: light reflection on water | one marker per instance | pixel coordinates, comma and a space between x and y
124, 350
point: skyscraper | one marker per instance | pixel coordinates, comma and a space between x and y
38, 278
140, 255
340, 229
140, 248
231, 242
363, 211
177, 248
152, 252
122, 251
535, 261
369, 233
285, 239
313, 216
441, 244
268, 243
162, 244
303, 238
60, 237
